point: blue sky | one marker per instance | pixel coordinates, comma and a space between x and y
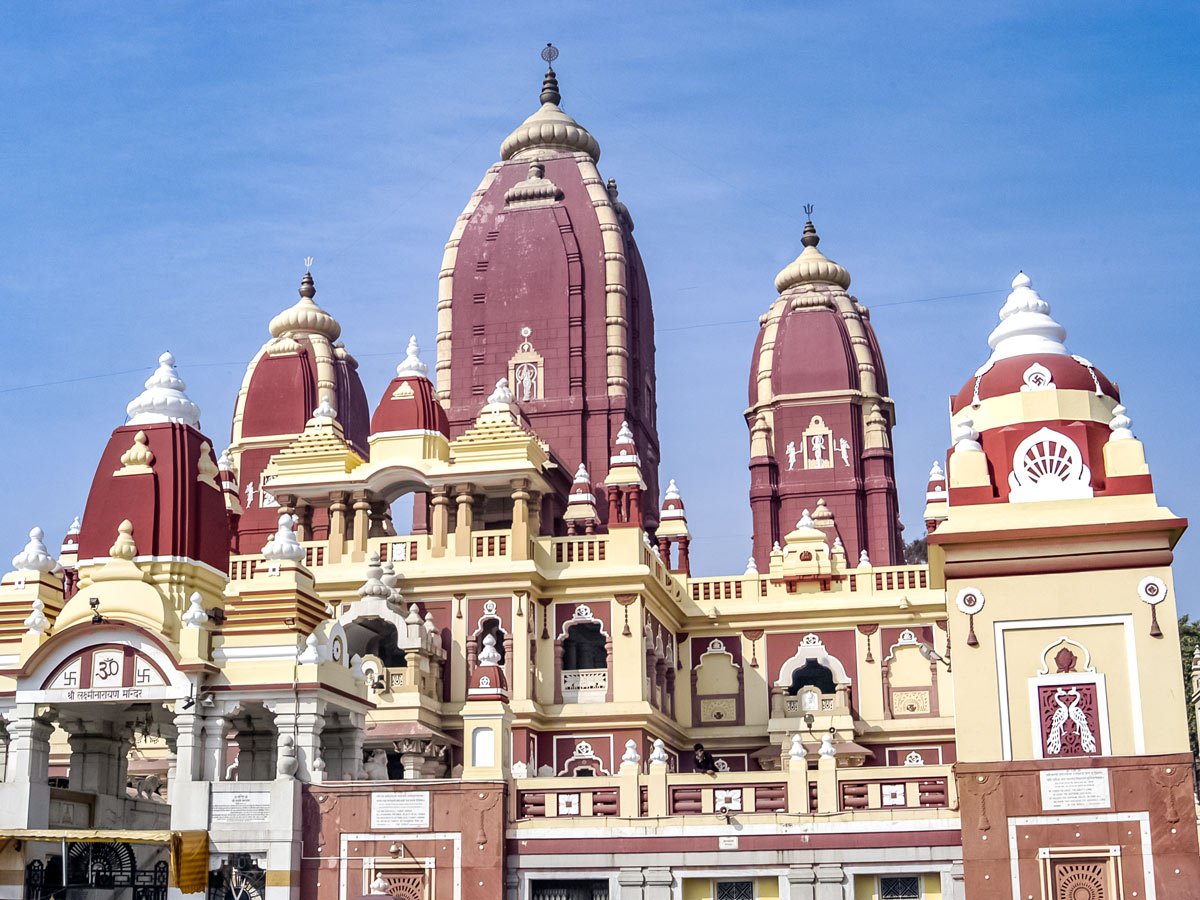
168, 166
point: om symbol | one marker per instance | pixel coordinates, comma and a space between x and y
108, 668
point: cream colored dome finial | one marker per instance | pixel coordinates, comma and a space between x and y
549, 128
811, 266
306, 316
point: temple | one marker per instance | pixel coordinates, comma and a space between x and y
240, 676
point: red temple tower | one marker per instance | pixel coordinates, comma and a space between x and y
543, 284
820, 416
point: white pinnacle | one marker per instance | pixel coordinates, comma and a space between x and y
502, 395
625, 433
489, 655
164, 399
35, 557
966, 438
412, 364
283, 545
672, 491
581, 475
1026, 325
325, 410
936, 473
1120, 425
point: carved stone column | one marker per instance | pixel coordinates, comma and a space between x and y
441, 519
337, 526
187, 748
214, 747
463, 520
520, 519
362, 526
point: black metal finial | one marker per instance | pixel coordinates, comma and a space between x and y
810, 238
550, 92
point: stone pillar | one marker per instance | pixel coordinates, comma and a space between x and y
309, 726
381, 520
304, 515
463, 520
797, 784
659, 882
827, 800
520, 519
420, 515
440, 505
953, 887
802, 883
829, 883
25, 799
187, 749
214, 747
630, 885
96, 760
337, 527
362, 526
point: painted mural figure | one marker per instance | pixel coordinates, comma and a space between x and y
792, 453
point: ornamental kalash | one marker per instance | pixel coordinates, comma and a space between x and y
242, 678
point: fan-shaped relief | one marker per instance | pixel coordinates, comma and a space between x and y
1048, 465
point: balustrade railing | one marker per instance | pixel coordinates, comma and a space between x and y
879, 790
585, 686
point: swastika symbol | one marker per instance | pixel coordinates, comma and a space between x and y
143, 675
71, 678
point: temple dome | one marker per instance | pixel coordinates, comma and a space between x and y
158, 473
1029, 353
408, 402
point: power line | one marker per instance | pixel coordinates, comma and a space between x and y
241, 362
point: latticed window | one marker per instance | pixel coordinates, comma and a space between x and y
907, 887
735, 890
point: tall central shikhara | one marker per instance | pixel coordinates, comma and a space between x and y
542, 284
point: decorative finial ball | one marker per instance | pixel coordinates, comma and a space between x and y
1022, 280
36, 533
166, 359
549, 53
526, 331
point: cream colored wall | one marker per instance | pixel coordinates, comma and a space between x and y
705, 888
866, 887
1072, 596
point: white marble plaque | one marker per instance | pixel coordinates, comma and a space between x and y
727, 842
1075, 789
400, 809
240, 808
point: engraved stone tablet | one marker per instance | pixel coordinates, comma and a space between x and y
1075, 789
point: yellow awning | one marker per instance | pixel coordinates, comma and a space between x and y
188, 849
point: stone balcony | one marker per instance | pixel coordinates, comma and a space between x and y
585, 686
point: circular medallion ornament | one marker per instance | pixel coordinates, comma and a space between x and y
1152, 590
337, 650
969, 601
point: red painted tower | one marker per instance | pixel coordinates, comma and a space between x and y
820, 416
542, 284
